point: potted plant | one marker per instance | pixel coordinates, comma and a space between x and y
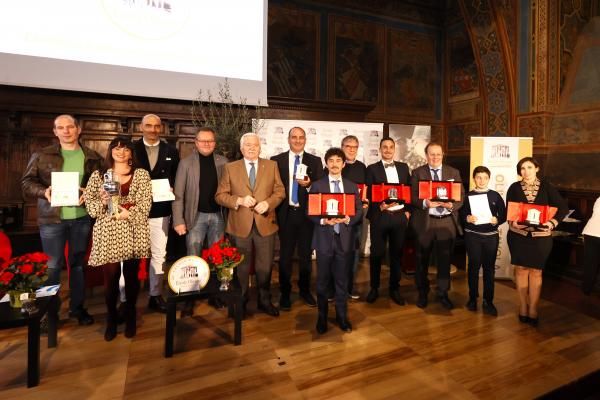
23, 274
223, 257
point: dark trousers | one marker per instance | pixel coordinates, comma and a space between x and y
387, 228
333, 266
482, 251
112, 274
591, 261
263, 260
439, 238
296, 232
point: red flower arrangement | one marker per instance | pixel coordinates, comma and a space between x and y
24, 273
222, 254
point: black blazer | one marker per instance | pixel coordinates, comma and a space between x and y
420, 217
323, 239
165, 168
314, 171
376, 174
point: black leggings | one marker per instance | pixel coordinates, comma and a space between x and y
112, 274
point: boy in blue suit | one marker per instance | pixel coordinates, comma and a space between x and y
333, 242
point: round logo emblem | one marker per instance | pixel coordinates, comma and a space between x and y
188, 274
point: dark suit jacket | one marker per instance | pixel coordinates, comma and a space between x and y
376, 174
420, 217
323, 235
165, 168
314, 171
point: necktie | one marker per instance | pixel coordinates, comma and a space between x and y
436, 177
252, 176
295, 183
336, 189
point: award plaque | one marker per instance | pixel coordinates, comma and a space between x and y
385, 193
332, 205
188, 274
445, 191
301, 172
533, 215
112, 186
442, 193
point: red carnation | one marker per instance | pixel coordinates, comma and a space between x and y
26, 268
6, 277
38, 257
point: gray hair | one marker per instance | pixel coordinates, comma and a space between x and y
248, 134
72, 118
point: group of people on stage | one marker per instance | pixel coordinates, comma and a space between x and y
253, 199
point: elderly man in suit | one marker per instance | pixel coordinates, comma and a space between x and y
295, 229
436, 225
160, 159
333, 240
196, 214
388, 222
251, 189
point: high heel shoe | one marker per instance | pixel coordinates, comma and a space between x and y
534, 321
523, 319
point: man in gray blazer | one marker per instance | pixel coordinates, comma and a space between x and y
436, 225
195, 211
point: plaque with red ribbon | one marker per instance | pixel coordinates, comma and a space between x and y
331, 205
445, 191
390, 193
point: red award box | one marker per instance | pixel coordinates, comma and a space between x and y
390, 193
320, 203
440, 190
362, 192
518, 212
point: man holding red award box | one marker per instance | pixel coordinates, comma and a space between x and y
333, 237
435, 220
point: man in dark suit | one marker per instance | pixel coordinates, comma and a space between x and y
388, 221
295, 229
333, 242
160, 159
251, 189
436, 225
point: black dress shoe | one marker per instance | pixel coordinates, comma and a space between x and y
285, 303
187, 310
269, 309
308, 299
321, 326
344, 325
111, 330
523, 319
472, 305
157, 303
372, 296
422, 301
489, 308
216, 302
397, 297
445, 301
83, 317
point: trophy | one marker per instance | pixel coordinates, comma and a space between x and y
112, 186
332, 207
393, 194
533, 217
441, 193
301, 170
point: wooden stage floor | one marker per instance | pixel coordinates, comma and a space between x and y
393, 352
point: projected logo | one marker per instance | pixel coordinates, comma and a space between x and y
148, 19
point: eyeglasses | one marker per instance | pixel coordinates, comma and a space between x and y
204, 141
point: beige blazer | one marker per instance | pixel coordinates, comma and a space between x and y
234, 183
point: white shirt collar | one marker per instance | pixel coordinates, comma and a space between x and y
151, 145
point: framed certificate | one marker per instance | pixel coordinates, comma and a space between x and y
188, 274
65, 189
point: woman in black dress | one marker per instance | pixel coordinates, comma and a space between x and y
529, 248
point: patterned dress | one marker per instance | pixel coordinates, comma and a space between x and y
117, 240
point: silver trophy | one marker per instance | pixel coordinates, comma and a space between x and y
533, 217
112, 186
393, 194
332, 207
441, 193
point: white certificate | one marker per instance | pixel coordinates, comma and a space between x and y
65, 189
480, 208
161, 190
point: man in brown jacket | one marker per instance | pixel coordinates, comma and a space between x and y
251, 189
